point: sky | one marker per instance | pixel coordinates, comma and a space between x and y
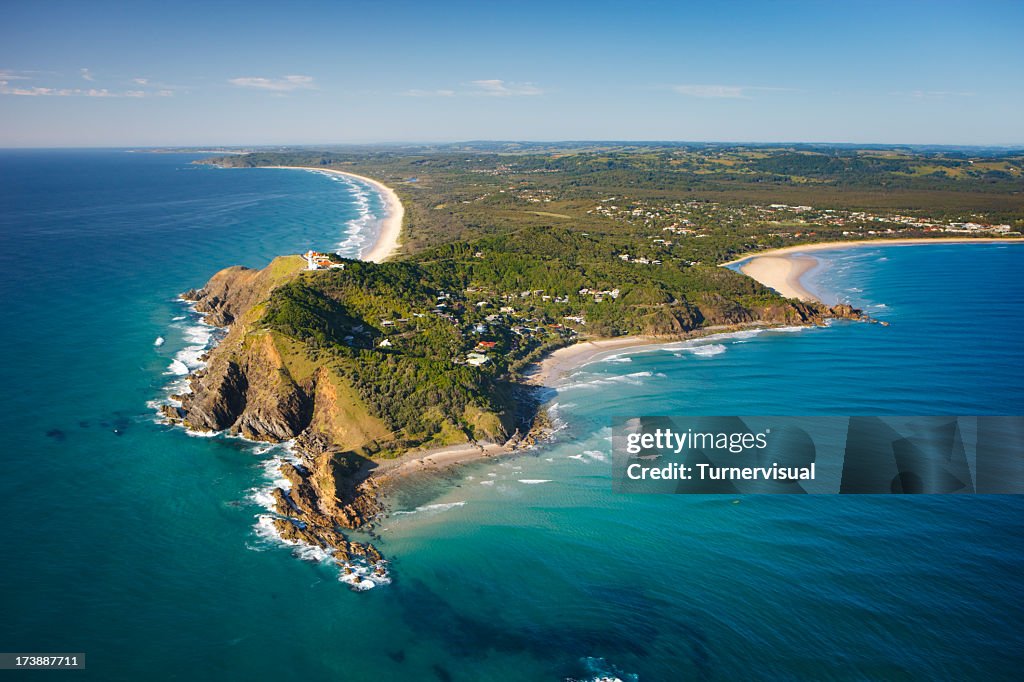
106, 74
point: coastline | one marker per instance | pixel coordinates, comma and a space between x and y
783, 269
386, 244
551, 370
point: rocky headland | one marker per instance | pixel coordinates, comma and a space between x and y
268, 382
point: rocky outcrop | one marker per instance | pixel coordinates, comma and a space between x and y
716, 311
227, 295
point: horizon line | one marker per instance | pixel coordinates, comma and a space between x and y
422, 143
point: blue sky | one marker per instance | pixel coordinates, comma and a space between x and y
138, 73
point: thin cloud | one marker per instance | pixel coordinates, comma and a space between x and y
286, 84
429, 93
710, 91
498, 88
491, 87
38, 91
7, 75
723, 91
933, 94
10, 86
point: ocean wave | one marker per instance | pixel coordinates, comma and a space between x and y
192, 433
534, 481
177, 368
633, 379
159, 341
435, 508
708, 350
201, 338
359, 231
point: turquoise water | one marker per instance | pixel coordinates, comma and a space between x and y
137, 544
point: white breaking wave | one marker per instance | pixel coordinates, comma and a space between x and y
177, 368
633, 379
359, 231
707, 351
534, 481
159, 341
436, 508
590, 456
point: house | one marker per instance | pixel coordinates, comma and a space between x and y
477, 359
385, 343
486, 345
321, 261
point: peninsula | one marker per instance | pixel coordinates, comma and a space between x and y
425, 353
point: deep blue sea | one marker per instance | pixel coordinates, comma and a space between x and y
139, 545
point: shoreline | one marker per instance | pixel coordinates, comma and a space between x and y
783, 274
908, 241
386, 245
548, 372
552, 369
783, 269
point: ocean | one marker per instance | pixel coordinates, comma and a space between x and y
141, 545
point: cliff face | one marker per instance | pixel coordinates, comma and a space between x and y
246, 387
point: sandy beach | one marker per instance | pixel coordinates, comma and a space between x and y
781, 269
386, 244
416, 461
782, 273
558, 363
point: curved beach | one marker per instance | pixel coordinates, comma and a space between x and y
386, 244
782, 273
782, 269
